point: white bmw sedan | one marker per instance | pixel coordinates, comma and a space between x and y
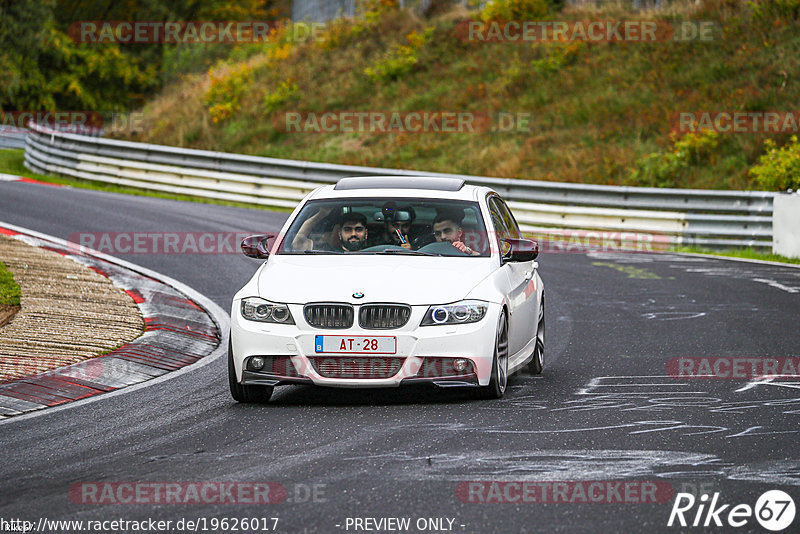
387, 281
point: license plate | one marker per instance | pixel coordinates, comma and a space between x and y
356, 344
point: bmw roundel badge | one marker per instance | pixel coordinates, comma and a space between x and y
358, 295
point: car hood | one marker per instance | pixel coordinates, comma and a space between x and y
411, 280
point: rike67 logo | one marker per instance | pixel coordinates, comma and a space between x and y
774, 510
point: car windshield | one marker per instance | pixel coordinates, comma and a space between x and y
402, 227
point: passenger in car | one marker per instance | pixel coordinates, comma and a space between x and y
398, 227
447, 227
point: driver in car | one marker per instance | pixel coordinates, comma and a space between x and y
353, 232
351, 229
447, 228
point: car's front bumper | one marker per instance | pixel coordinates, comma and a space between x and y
417, 347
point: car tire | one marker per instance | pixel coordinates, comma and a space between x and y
536, 365
243, 393
499, 379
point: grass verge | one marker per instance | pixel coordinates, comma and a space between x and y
745, 253
583, 112
9, 290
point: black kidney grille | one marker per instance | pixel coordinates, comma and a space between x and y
329, 315
383, 316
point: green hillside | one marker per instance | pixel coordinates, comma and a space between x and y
598, 112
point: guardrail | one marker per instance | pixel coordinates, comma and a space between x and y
12, 137
718, 219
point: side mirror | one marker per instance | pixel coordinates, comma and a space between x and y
256, 246
521, 250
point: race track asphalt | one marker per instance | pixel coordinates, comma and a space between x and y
605, 408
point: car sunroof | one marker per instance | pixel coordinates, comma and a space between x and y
400, 182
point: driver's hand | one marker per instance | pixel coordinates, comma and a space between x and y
462, 247
406, 245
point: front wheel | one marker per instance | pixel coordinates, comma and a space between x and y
244, 393
536, 365
499, 379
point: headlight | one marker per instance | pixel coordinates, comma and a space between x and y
466, 311
258, 309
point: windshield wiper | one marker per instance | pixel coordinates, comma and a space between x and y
322, 252
405, 251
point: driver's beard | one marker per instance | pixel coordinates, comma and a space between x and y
353, 246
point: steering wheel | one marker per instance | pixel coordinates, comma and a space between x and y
423, 239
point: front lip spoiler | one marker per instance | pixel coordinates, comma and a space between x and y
467, 381
251, 378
